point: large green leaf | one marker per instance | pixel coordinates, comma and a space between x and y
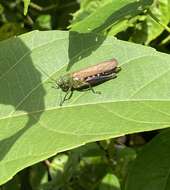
151, 168
34, 127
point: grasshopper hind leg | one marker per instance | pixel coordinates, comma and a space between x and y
92, 89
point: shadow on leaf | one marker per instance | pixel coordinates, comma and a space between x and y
21, 87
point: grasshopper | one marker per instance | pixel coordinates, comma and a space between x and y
87, 77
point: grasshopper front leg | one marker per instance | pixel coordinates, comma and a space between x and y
65, 97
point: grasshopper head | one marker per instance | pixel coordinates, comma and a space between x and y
64, 83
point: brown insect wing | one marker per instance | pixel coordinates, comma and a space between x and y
103, 67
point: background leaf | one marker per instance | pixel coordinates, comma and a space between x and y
111, 14
151, 168
26, 5
110, 182
161, 10
34, 127
147, 29
87, 7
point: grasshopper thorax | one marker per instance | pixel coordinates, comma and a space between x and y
64, 82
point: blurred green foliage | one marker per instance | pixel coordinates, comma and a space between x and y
88, 167
63, 14
41, 15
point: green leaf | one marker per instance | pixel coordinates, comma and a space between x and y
38, 176
161, 10
151, 168
1, 9
154, 24
87, 7
26, 5
8, 30
109, 182
43, 22
109, 15
34, 127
